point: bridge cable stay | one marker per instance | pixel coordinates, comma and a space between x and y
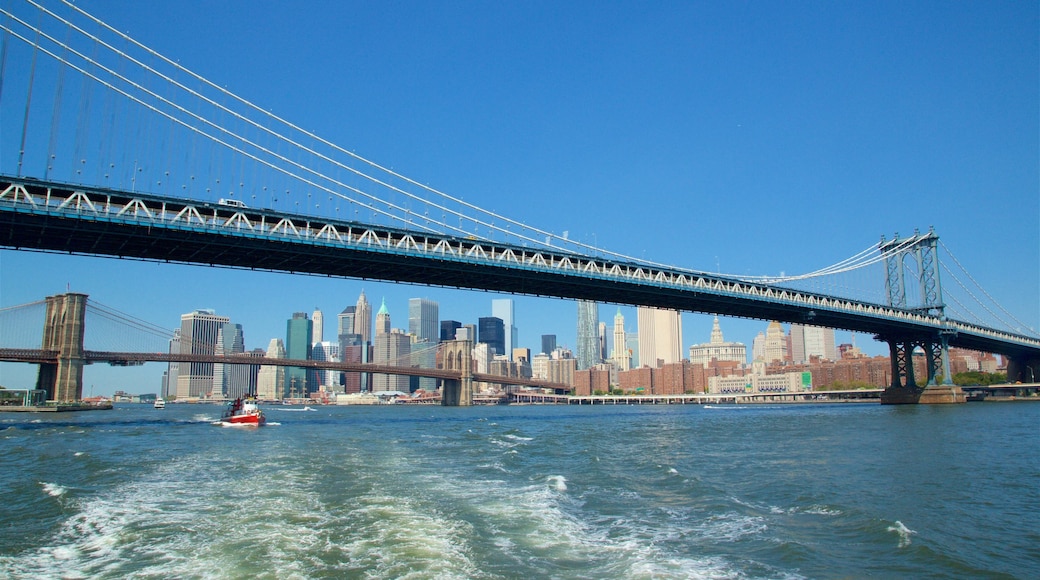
842, 266
21, 326
1012, 323
229, 137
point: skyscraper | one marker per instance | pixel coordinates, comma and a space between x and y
621, 357
390, 348
363, 319
270, 383
502, 308
548, 343
423, 318
317, 327
230, 381
198, 335
448, 328
298, 331
588, 336
492, 333
810, 341
660, 336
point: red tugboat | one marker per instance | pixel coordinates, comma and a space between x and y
243, 412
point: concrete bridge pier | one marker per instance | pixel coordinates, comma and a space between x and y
63, 332
458, 355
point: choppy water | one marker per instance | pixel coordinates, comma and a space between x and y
839, 491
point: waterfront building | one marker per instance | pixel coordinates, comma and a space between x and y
660, 336
492, 333
198, 335
792, 382
502, 308
298, 331
317, 326
588, 336
621, 357
548, 343
424, 355
423, 319
718, 349
270, 382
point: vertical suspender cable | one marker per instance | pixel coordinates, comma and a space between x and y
56, 115
28, 98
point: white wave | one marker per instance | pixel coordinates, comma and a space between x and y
904, 533
53, 489
558, 482
77, 454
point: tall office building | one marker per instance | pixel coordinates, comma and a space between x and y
492, 333
423, 319
621, 358
345, 321
230, 381
448, 329
770, 346
588, 336
810, 341
502, 308
363, 319
390, 348
660, 336
270, 383
298, 331
548, 344
317, 327
327, 379
604, 353
198, 335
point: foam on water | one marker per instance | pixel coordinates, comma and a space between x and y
903, 532
53, 489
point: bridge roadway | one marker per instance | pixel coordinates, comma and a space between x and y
52, 216
38, 356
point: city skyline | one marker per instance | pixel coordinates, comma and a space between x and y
777, 138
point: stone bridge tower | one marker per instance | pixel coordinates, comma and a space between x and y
63, 333
458, 355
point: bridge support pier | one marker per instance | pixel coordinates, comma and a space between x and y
904, 389
458, 355
63, 333
1022, 369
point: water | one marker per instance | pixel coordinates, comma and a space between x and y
823, 491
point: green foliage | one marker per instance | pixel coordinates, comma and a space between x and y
979, 378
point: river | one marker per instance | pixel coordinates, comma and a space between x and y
729, 491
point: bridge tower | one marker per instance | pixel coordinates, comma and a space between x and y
63, 333
458, 355
922, 251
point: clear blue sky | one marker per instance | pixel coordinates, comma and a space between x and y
744, 137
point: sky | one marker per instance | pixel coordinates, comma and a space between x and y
738, 137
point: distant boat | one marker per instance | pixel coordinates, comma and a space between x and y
243, 412
160, 403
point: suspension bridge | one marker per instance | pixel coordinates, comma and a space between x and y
120, 151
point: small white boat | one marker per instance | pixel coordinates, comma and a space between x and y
160, 403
